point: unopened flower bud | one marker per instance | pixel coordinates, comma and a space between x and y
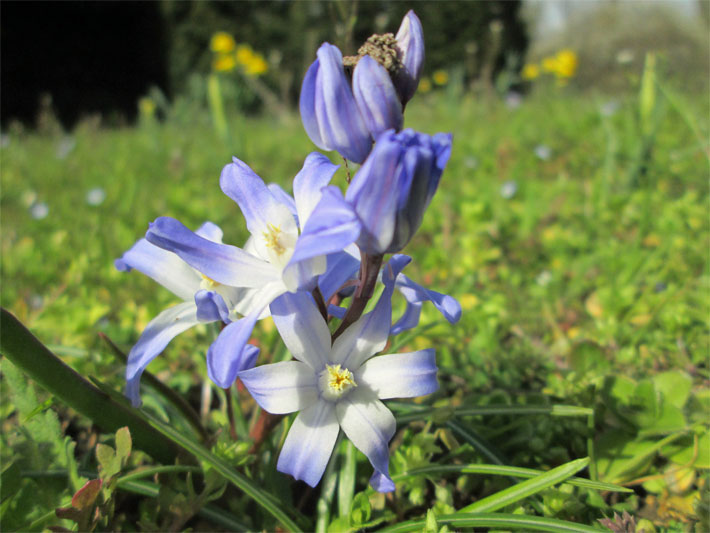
410, 44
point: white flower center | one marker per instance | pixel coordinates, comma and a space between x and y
208, 284
335, 382
272, 236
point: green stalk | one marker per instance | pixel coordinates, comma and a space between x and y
26, 352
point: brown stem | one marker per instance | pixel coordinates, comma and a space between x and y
263, 426
230, 414
369, 270
320, 302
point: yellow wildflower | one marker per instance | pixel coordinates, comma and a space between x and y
549, 64
566, 63
252, 62
425, 85
530, 71
224, 63
222, 43
441, 77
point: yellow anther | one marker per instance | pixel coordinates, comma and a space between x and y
335, 381
271, 236
209, 283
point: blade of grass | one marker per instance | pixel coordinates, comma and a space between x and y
497, 521
553, 410
327, 491
527, 488
346, 478
498, 470
26, 352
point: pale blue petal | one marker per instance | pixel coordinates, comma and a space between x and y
156, 336
282, 388
414, 293
259, 206
402, 375
376, 97
210, 231
309, 443
410, 44
408, 320
316, 173
211, 307
284, 198
341, 267
302, 328
374, 193
163, 266
369, 334
332, 226
307, 106
341, 125
221, 262
368, 424
226, 356
381, 482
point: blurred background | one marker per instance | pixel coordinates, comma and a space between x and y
86, 58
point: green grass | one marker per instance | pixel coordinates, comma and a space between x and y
587, 287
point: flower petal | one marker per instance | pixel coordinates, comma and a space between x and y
302, 328
413, 293
211, 307
259, 206
340, 122
332, 226
376, 96
281, 388
221, 262
410, 44
316, 173
381, 172
307, 106
408, 320
284, 198
210, 231
156, 336
226, 356
309, 443
368, 424
381, 482
163, 266
341, 267
401, 375
369, 334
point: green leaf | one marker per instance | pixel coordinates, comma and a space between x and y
109, 464
510, 471
123, 444
430, 525
527, 488
675, 387
361, 510
496, 521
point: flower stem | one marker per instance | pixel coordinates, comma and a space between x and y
369, 270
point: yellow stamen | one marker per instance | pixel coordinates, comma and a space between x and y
272, 238
209, 283
335, 381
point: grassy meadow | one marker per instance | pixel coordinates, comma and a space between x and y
572, 227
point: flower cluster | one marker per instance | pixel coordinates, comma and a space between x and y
228, 56
562, 65
310, 253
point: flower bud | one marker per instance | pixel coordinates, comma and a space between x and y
410, 44
328, 109
376, 97
394, 186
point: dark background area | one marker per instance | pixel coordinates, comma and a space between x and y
89, 56
102, 56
